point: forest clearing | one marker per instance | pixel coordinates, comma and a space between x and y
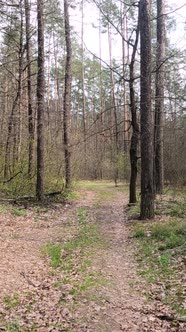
88, 264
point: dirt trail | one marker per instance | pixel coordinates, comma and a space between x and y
126, 308
23, 270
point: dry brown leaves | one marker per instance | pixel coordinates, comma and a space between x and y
32, 300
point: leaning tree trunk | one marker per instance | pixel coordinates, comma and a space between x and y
134, 123
159, 99
40, 103
29, 92
67, 96
147, 193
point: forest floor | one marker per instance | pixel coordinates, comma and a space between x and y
74, 266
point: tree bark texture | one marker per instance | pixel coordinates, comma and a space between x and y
29, 92
126, 133
113, 114
147, 192
40, 103
83, 87
12, 122
134, 123
67, 97
159, 99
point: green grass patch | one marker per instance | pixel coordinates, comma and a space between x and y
72, 195
138, 231
134, 210
84, 285
74, 257
161, 246
165, 206
87, 237
104, 189
54, 252
11, 301
77, 256
82, 214
172, 207
169, 235
3, 209
13, 327
19, 212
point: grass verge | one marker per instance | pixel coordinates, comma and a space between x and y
161, 255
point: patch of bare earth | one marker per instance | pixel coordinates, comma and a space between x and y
119, 304
21, 239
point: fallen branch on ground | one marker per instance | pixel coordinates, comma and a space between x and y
12, 177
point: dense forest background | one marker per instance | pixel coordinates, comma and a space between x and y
99, 119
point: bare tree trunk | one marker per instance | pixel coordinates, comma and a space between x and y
135, 125
29, 92
40, 103
147, 193
124, 62
159, 99
4, 110
83, 86
12, 119
101, 105
113, 114
20, 122
67, 96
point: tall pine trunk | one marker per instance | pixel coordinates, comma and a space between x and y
124, 63
67, 96
83, 89
12, 121
134, 123
159, 99
113, 114
147, 192
29, 91
40, 103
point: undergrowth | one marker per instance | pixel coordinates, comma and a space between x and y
22, 188
161, 256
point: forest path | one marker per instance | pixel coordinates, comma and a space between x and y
94, 286
126, 307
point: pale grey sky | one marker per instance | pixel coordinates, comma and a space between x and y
91, 36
